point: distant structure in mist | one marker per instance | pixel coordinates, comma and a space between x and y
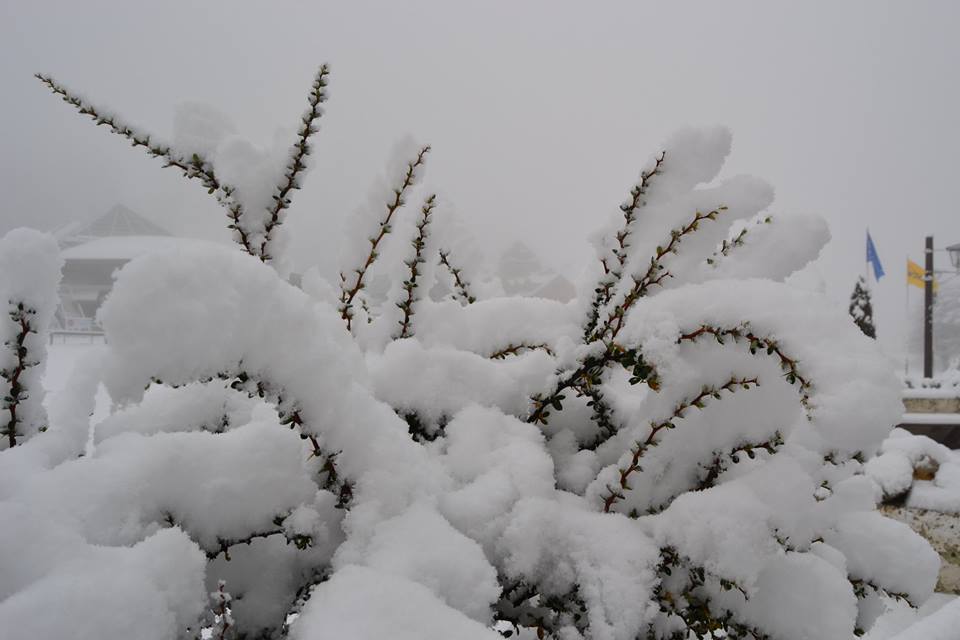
92, 252
523, 274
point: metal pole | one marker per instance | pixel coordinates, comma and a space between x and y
928, 311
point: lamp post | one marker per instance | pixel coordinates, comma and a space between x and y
954, 252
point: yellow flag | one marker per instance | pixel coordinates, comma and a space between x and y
915, 275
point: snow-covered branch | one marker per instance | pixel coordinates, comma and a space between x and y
192, 166
613, 269
411, 284
298, 160
639, 448
461, 286
655, 274
349, 291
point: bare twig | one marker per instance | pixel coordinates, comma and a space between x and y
297, 164
612, 274
615, 494
462, 287
410, 284
516, 349
194, 167
349, 291
17, 393
756, 344
656, 273
727, 245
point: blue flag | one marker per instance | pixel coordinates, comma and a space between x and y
873, 258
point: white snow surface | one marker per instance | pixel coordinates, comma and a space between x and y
151, 589
940, 625
364, 604
773, 250
422, 546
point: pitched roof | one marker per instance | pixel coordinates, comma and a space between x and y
121, 221
124, 248
558, 288
117, 222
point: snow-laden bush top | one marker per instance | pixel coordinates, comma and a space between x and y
677, 453
29, 276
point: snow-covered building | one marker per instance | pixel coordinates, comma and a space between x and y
523, 274
92, 252
557, 288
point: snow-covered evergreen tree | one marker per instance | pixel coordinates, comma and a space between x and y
679, 453
861, 308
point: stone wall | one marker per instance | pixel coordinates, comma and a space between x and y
945, 431
931, 405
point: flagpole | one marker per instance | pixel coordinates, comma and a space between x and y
928, 309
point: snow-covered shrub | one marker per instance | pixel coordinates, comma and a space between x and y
678, 453
29, 276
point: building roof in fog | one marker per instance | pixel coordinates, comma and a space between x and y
557, 288
127, 247
119, 221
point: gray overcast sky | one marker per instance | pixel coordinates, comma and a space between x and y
540, 113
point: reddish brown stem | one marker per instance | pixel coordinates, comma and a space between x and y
514, 349
194, 167
13, 377
348, 293
461, 285
297, 164
410, 285
654, 275
641, 447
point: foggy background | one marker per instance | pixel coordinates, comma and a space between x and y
540, 114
